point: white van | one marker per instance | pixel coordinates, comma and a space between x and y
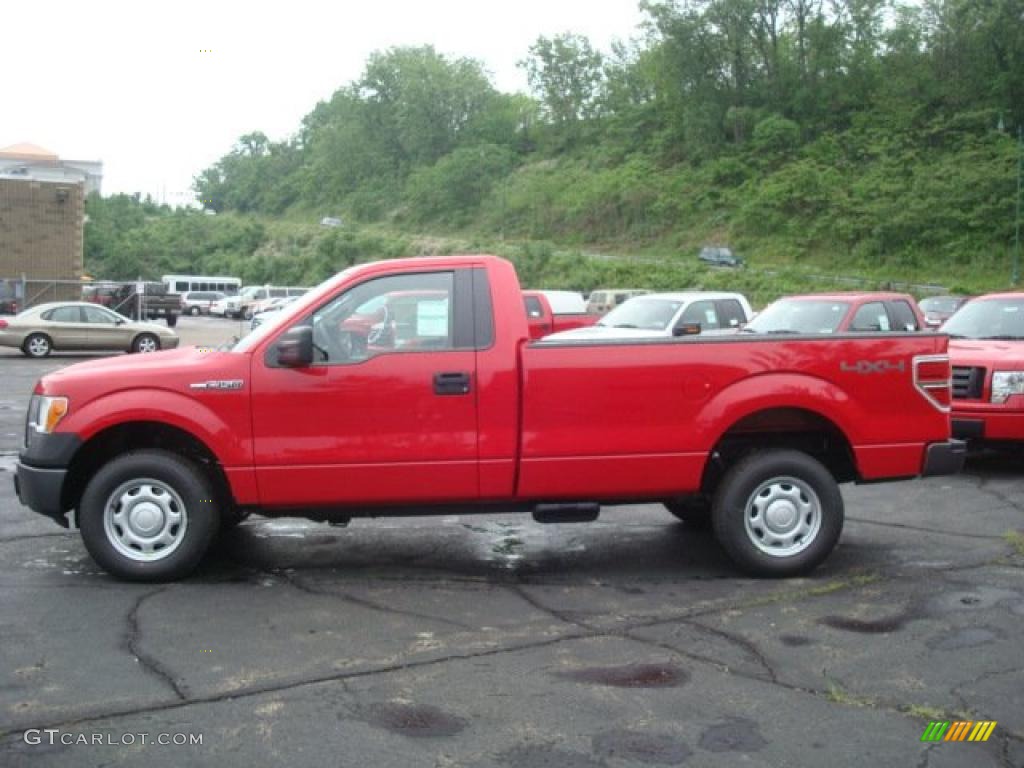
243, 305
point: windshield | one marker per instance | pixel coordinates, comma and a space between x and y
275, 320
988, 319
645, 313
250, 292
800, 316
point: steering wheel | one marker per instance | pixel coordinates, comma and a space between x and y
378, 330
328, 345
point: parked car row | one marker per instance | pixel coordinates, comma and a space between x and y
986, 338
252, 299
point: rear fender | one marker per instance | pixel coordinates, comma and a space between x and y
780, 390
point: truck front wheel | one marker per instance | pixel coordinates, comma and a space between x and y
149, 516
778, 513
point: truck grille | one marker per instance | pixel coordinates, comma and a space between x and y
968, 382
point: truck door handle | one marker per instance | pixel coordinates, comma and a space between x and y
451, 383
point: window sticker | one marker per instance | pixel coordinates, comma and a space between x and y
432, 318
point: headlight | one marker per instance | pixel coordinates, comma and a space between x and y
45, 413
1006, 383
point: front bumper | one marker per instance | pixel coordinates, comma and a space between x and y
988, 424
42, 471
41, 489
944, 458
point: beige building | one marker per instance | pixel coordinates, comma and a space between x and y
24, 160
42, 218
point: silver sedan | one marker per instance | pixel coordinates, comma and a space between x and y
76, 325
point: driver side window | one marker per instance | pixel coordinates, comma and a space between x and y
400, 313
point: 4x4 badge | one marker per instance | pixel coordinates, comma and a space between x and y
868, 366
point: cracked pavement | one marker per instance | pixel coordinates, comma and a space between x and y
494, 641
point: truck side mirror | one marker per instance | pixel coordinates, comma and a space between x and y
686, 329
295, 347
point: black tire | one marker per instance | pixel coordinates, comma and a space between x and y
37, 345
694, 511
199, 512
142, 340
231, 519
247, 314
172, 320
748, 489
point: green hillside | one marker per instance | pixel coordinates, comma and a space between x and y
853, 138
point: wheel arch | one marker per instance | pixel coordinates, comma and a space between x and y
782, 426
123, 437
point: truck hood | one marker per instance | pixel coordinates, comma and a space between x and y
1001, 355
173, 369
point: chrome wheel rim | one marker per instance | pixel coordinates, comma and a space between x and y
38, 346
145, 520
147, 344
783, 516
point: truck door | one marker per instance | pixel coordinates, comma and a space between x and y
388, 410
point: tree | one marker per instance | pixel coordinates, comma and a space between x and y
565, 73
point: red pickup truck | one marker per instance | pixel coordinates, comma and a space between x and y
851, 311
457, 409
543, 320
987, 354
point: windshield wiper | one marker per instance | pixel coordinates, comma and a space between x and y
624, 325
1000, 337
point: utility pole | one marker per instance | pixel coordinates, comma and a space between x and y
1020, 173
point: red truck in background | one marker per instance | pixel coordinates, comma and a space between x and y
462, 412
986, 349
543, 320
844, 312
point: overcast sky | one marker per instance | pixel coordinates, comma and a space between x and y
127, 83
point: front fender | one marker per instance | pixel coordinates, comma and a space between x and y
226, 432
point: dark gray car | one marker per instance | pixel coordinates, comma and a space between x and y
719, 256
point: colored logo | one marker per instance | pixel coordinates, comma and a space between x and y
961, 730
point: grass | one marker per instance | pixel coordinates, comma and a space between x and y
1016, 540
839, 695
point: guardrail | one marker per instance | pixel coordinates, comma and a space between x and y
863, 282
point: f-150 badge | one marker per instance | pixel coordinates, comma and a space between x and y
218, 384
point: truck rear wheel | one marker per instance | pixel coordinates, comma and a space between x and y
172, 319
149, 516
778, 513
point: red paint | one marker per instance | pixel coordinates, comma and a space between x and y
548, 321
589, 421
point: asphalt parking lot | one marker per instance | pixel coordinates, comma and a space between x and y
494, 641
